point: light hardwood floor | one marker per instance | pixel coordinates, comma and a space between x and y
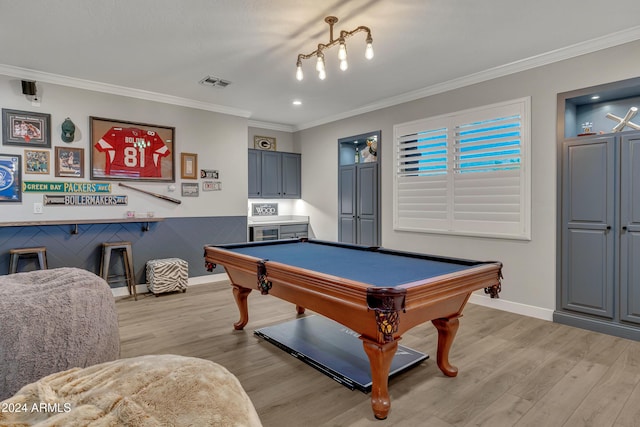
513, 370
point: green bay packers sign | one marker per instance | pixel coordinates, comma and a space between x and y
65, 187
84, 200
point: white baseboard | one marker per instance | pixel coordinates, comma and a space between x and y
512, 307
200, 280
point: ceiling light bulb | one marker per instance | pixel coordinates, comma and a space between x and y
322, 74
342, 51
320, 63
344, 65
368, 53
299, 74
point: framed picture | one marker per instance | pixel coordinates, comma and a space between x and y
264, 143
10, 178
69, 162
130, 151
36, 161
26, 128
189, 168
190, 189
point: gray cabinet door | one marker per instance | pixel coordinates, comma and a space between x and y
347, 204
291, 188
271, 174
254, 173
630, 229
588, 263
367, 203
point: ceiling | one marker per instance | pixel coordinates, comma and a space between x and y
161, 49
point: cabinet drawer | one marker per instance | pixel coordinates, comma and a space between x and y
293, 228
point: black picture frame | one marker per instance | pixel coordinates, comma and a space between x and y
10, 178
26, 128
124, 138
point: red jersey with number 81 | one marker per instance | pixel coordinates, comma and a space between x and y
132, 153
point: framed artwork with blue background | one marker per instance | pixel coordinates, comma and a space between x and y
10, 178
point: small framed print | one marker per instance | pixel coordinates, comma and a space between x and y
264, 143
189, 168
190, 189
69, 162
37, 162
10, 178
26, 128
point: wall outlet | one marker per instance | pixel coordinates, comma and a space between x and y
37, 208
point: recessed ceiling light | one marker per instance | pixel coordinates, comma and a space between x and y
297, 102
595, 97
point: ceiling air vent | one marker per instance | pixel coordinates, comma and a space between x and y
215, 82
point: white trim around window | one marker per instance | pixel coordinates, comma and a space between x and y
465, 173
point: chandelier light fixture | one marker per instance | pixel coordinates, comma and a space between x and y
342, 50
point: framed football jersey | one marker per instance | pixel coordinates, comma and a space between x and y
130, 151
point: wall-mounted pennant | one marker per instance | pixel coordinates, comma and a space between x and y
65, 187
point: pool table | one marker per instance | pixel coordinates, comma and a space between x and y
376, 292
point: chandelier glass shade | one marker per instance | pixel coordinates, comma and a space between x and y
342, 50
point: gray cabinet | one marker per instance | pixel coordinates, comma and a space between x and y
358, 192
255, 172
274, 175
294, 231
600, 248
630, 229
588, 218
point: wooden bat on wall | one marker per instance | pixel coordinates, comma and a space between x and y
159, 196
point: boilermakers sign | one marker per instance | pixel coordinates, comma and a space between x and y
65, 187
84, 200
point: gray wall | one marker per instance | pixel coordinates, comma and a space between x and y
220, 141
529, 266
183, 238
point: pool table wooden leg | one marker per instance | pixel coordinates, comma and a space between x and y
240, 294
380, 358
299, 309
447, 329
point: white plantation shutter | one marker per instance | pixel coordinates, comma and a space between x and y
465, 173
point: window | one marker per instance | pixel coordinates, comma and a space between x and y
465, 173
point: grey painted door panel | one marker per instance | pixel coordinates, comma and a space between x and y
630, 229
588, 273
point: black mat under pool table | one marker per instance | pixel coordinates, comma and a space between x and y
334, 350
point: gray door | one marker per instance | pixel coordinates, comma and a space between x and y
367, 204
630, 229
347, 204
588, 214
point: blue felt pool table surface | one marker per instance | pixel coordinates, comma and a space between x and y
376, 268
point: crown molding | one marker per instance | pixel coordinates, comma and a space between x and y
270, 126
40, 76
582, 48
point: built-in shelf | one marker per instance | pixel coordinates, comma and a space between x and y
75, 222
591, 105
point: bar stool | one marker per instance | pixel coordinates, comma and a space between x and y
40, 252
124, 248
